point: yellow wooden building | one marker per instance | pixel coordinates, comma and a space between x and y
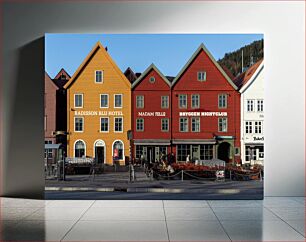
99, 109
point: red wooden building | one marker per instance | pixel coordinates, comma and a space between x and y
205, 111
151, 115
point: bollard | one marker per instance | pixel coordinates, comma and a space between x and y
182, 175
260, 176
230, 175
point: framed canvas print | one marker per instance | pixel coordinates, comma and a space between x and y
154, 116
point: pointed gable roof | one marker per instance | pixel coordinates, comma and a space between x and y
244, 78
152, 66
97, 46
62, 72
195, 54
48, 78
130, 75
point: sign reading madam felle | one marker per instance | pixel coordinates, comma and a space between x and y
100, 113
203, 114
151, 114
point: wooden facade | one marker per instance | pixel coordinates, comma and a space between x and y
98, 78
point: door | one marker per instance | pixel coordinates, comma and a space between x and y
224, 151
100, 155
151, 153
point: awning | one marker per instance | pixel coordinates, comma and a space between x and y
151, 142
218, 137
52, 146
194, 141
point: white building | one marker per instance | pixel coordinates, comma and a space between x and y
251, 87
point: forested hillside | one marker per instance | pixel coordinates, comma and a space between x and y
251, 54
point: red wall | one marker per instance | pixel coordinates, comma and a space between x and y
152, 93
215, 84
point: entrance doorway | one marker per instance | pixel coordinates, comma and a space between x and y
100, 155
224, 151
100, 151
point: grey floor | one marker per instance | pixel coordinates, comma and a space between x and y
273, 219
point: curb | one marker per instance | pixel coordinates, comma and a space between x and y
223, 191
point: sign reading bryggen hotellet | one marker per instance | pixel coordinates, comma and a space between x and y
98, 109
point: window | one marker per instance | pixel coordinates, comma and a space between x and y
118, 150
164, 101
45, 122
206, 152
138, 151
139, 101
152, 79
258, 127
183, 124
48, 152
79, 149
139, 124
78, 100
259, 105
222, 101
104, 101
237, 151
182, 101
195, 101
104, 124
182, 152
222, 124
99, 77
78, 124
118, 100
165, 124
118, 124
261, 152
248, 127
250, 105
202, 76
195, 124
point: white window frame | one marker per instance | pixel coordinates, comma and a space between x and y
82, 95
74, 147
196, 118
123, 157
107, 125
253, 105
83, 123
161, 123
222, 95
161, 100
262, 105
143, 123
102, 77
179, 101
259, 126
250, 127
195, 95
180, 124
200, 79
226, 125
115, 125
143, 100
118, 94
104, 94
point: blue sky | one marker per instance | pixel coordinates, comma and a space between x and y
169, 52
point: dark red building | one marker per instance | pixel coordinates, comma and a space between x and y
205, 111
151, 115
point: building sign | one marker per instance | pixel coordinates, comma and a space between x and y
203, 114
100, 113
151, 114
258, 138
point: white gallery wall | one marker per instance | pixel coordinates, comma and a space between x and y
24, 25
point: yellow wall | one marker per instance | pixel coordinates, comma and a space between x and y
114, 82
